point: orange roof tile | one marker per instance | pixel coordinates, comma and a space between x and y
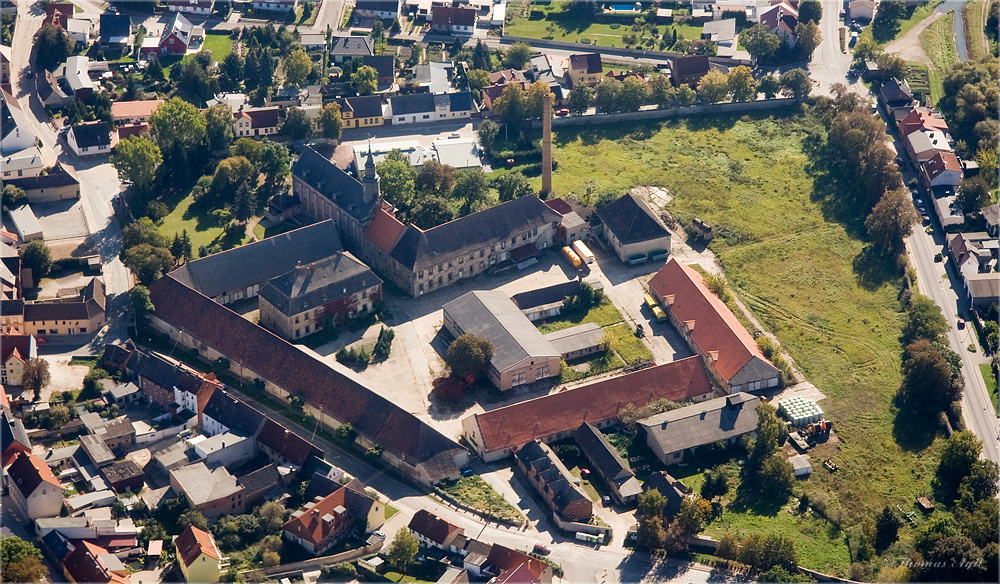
310, 525
192, 542
384, 231
715, 328
134, 109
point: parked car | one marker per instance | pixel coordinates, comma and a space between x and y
961, 323
379, 534
542, 549
562, 112
468, 472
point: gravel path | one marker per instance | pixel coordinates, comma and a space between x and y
908, 46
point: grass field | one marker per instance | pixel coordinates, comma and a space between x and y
793, 265
972, 16
939, 44
919, 13
478, 494
201, 227
604, 314
991, 383
626, 344
220, 45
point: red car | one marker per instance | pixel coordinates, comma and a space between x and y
542, 549
562, 112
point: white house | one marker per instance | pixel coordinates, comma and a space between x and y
92, 139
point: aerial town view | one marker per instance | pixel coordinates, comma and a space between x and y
499, 291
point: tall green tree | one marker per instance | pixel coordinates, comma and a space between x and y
810, 11
760, 43
487, 133
52, 47
219, 127
403, 550
178, 128
973, 194
35, 376
796, 83
142, 305
580, 99
930, 382
633, 95
431, 211
330, 122
137, 159
924, 320
435, 178
471, 187
148, 263
511, 186
606, 94
517, 56
230, 174
511, 106
808, 36
769, 86
297, 124
741, 84
21, 561
468, 355
662, 92
714, 86
297, 67
398, 179
38, 258
891, 221
365, 80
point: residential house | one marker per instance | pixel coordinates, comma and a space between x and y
521, 355
198, 556
552, 480
80, 30
58, 14
382, 9
433, 76
982, 290
633, 230
415, 108
124, 476
434, 532
384, 65
26, 225
34, 490
712, 330
608, 464
49, 92
991, 214
284, 447
16, 350
575, 222
586, 68
345, 48
15, 131
178, 36
516, 567
723, 34
27, 163
91, 138
689, 70
5, 61
922, 145
312, 40
921, 118
973, 253
671, 488
275, 5
494, 435
199, 7
361, 112
942, 170
896, 94
225, 413
323, 522
97, 450
88, 563
134, 112
213, 492
76, 72
261, 484
116, 31
256, 122
241, 272
79, 314
13, 436
123, 394
454, 20
319, 294
675, 434
863, 10
408, 444
226, 449
781, 19
59, 184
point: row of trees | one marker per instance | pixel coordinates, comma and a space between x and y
971, 99
932, 372
767, 46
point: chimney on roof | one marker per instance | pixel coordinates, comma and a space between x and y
689, 324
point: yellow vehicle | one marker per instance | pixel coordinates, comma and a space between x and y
572, 257
583, 251
650, 302
659, 314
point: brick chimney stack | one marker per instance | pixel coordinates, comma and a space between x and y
547, 143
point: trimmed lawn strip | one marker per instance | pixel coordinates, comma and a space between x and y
604, 314
478, 494
991, 383
939, 44
220, 45
200, 225
624, 341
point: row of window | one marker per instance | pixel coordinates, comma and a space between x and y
482, 253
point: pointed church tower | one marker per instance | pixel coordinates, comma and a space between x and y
371, 180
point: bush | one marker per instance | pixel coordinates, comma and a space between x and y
343, 570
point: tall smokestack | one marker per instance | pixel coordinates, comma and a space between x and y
547, 143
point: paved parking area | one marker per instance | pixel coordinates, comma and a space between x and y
62, 219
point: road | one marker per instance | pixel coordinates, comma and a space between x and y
495, 43
330, 14
829, 64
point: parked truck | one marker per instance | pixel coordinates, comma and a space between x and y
572, 257
583, 251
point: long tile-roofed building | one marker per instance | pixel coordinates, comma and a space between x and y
408, 443
497, 433
673, 433
608, 463
240, 272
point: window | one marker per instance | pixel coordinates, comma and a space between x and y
53, 332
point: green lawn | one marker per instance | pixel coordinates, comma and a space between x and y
939, 44
748, 177
220, 45
624, 341
972, 15
264, 232
604, 314
991, 383
919, 13
550, 21
390, 511
587, 486
478, 494
201, 227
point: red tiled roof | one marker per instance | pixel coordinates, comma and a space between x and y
134, 109
260, 118
27, 472
310, 525
292, 447
921, 119
559, 206
83, 564
519, 575
516, 425
4, 400
505, 559
15, 344
715, 327
433, 527
192, 542
129, 130
940, 162
384, 231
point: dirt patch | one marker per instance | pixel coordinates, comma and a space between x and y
908, 46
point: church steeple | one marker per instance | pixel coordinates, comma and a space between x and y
371, 180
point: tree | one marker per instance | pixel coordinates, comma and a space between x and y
760, 43
478, 79
142, 305
13, 196
930, 383
891, 220
248, 148
472, 187
52, 47
887, 526
219, 127
714, 86
398, 179
693, 514
38, 258
330, 122
924, 319
958, 457
21, 561
511, 106
808, 36
35, 376
890, 66
435, 178
796, 83
297, 124
487, 133
178, 128
517, 56
650, 534
810, 11
193, 517
430, 211
231, 72
973, 194
142, 230
230, 174
297, 67
866, 49
686, 96
775, 479
511, 186
58, 416
742, 85
365, 80
606, 94
148, 262
274, 162
633, 95
481, 58
651, 503
534, 99
769, 86
716, 483
137, 159
403, 549
662, 92
886, 22
468, 355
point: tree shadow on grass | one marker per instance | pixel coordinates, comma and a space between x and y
873, 268
749, 500
913, 430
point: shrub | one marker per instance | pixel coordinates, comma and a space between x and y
338, 571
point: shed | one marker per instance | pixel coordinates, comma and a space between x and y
372, 564
25, 223
801, 465
925, 504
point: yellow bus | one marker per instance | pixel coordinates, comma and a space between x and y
659, 314
583, 251
572, 257
650, 302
